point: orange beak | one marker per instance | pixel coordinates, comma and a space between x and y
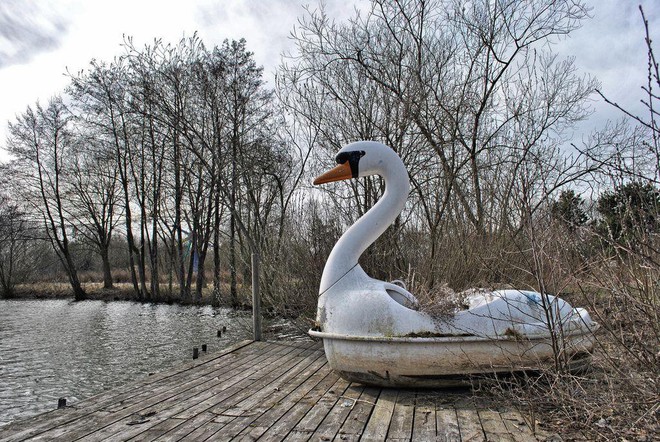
340, 172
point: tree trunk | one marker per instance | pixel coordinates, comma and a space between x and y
233, 290
107, 272
216, 253
201, 276
79, 293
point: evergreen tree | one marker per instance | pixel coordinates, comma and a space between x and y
569, 210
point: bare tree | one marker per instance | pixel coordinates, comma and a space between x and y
94, 194
102, 94
469, 95
41, 142
15, 236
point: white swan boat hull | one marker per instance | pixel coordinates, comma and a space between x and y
446, 361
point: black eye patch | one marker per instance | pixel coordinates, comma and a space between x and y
353, 159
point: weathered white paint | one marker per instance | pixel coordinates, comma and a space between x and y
443, 361
373, 332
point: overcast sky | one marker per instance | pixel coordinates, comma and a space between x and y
40, 39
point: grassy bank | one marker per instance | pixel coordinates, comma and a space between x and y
122, 291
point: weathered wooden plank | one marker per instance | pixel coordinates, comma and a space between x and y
281, 428
335, 418
258, 354
379, 421
272, 390
517, 426
424, 427
278, 383
172, 405
494, 427
150, 434
166, 391
446, 423
218, 403
288, 397
299, 435
401, 423
35, 425
122, 416
227, 417
206, 429
171, 410
357, 419
310, 422
185, 427
228, 395
205, 432
469, 425
249, 436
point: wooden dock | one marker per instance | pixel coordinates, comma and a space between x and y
269, 391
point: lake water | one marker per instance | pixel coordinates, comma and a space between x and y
58, 348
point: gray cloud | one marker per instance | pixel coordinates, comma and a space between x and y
28, 28
265, 25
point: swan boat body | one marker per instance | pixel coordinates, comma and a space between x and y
374, 333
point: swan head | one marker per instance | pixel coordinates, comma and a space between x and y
360, 159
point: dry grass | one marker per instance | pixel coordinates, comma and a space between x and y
62, 290
121, 292
601, 404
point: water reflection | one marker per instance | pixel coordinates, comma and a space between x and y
52, 349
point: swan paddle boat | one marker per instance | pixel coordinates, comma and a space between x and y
374, 332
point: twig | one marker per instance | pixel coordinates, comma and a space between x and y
356, 400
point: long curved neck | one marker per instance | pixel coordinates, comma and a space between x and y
369, 227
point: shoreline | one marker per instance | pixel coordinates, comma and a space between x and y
96, 292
